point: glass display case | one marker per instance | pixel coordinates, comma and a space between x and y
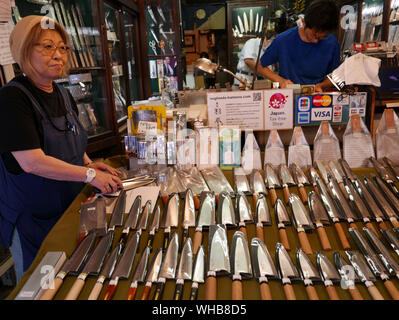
372, 20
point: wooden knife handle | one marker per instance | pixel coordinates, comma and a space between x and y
325, 242
236, 290
344, 192
165, 244
197, 241
259, 233
210, 288
371, 226
286, 192
273, 196
332, 293
353, 225
265, 292
194, 291
146, 293
284, 239
178, 291
316, 189
109, 293
51, 292
393, 291
395, 223
131, 293
74, 292
95, 292
165, 200
375, 293
341, 235
289, 292
355, 293
255, 199
159, 291
196, 202
303, 195
383, 225
304, 241
312, 293
244, 231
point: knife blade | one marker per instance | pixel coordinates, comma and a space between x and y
262, 215
257, 183
251, 21
389, 196
218, 259
338, 174
198, 273
313, 175
392, 166
286, 180
385, 175
260, 25
282, 220
93, 265
324, 169
185, 269
72, 266
131, 220
118, 211
364, 273
328, 274
302, 221
246, 27
240, 25
287, 271
348, 276
170, 218
240, 260
347, 169
308, 273
168, 267
272, 181
206, 216
320, 218
188, 214
153, 272
256, 23
301, 181
139, 273
392, 239
241, 183
154, 225
226, 210
143, 219
124, 266
263, 267
243, 212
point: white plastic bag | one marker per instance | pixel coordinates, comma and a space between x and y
387, 136
274, 150
250, 158
299, 150
326, 144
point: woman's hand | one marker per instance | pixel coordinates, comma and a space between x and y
106, 183
104, 167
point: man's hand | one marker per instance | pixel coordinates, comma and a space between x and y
104, 167
284, 83
318, 88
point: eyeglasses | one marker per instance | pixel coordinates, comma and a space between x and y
49, 49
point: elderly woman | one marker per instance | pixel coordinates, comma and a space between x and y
43, 164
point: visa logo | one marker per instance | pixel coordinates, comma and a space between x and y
321, 114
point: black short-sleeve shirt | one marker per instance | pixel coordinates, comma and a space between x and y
20, 123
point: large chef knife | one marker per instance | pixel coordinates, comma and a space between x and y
226, 210
241, 183
374, 263
139, 273
188, 214
328, 274
240, 260
118, 211
170, 218
392, 166
263, 267
262, 215
313, 175
324, 169
124, 266
243, 212
73, 265
198, 273
348, 276
286, 180
308, 272
282, 220
301, 181
206, 216
218, 259
131, 220
389, 196
392, 239
143, 218
302, 221
185, 269
347, 169
257, 184
287, 271
154, 225
168, 267
338, 173
93, 265
272, 181
320, 218
152, 275
364, 273
385, 175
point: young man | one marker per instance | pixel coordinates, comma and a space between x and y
305, 54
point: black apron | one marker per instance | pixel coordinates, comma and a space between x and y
33, 204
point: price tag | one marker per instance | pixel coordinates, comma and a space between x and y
147, 127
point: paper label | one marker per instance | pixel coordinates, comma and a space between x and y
279, 109
147, 127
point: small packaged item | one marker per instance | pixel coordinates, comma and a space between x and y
229, 147
250, 158
357, 143
387, 136
93, 217
274, 150
192, 179
186, 156
326, 144
299, 150
207, 147
169, 182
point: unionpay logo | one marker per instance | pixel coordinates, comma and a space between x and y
277, 101
304, 104
322, 100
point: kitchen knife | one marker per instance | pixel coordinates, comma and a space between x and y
124, 266
313, 177
251, 21
168, 267
262, 215
347, 169
131, 220
118, 211
93, 265
170, 218
218, 259
282, 220
188, 214
272, 181
389, 196
242, 30
374, 263
383, 203
241, 183
246, 26
328, 274
301, 181
324, 169
206, 216
154, 225
348, 276
139, 273
198, 273
240, 260
72, 266
226, 210
392, 239
257, 185
243, 212
185, 269
256, 23
152, 275
143, 218
385, 175
287, 271
364, 273
338, 173
260, 25
392, 166
302, 221
308, 273
263, 267
286, 180
320, 218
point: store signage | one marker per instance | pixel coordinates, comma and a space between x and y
279, 108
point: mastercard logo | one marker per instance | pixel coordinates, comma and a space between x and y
322, 100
